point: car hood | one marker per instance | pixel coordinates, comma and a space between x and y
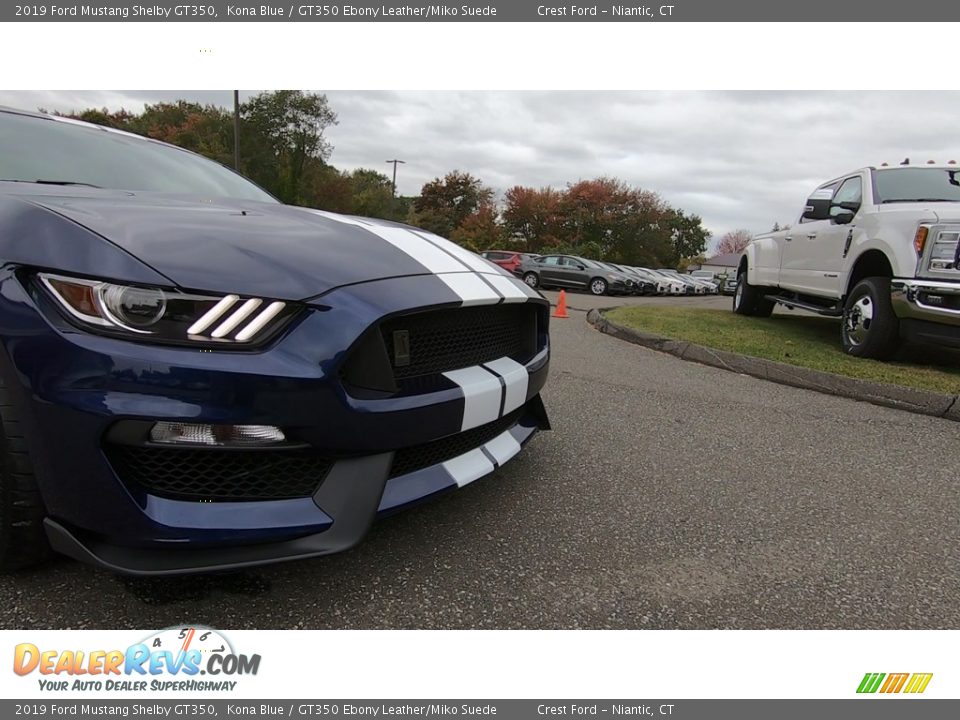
247, 247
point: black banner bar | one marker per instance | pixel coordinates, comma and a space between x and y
489, 11
872, 708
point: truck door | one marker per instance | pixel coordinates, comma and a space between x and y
806, 246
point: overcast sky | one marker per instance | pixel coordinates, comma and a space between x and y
741, 159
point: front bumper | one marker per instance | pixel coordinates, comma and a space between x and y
72, 388
929, 310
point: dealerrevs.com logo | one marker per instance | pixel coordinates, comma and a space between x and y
179, 659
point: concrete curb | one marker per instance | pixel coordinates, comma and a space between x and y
922, 402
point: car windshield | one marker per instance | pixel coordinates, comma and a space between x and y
40, 150
590, 263
895, 185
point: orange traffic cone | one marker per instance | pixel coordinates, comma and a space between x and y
561, 311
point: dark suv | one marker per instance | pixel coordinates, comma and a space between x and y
575, 273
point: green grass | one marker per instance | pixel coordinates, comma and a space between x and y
810, 342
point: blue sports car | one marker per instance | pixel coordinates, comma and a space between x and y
196, 377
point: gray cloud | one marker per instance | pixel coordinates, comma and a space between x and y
737, 159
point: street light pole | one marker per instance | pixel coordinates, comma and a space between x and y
236, 130
395, 162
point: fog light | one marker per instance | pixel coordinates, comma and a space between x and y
178, 433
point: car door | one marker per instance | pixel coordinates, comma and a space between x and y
549, 268
800, 259
573, 272
831, 241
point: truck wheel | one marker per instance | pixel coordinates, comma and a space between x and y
22, 539
870, 328
749, 300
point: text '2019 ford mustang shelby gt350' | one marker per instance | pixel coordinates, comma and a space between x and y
194, 376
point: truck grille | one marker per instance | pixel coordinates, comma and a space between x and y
409, 352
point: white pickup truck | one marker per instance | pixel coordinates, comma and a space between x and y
877, 247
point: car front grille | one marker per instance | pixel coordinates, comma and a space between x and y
220, 475
407, 353
217, 475
418, 457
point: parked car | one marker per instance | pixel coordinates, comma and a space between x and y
690, 287
711, 287
876, 247
643, 284
507, 259
667, 284
194, 376
729, 285
575, 273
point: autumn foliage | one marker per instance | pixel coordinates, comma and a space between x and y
734, 242
284, 150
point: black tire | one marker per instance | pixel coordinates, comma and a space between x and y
870, 328
598, 286
749, 300
22, 539
532, 279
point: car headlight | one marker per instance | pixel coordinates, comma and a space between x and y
163, 315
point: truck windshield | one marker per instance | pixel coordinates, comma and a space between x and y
895, 185
55, 152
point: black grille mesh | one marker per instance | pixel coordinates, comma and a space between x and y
443, 340
210, 474
417, 457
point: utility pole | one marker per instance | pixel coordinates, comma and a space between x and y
236, 130
395, 162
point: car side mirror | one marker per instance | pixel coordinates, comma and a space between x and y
578, 266
841, 214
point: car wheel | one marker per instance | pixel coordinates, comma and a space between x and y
598, 286
870, 328
532, 279
749, 300
22, 539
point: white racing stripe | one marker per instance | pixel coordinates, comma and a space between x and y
426, 253
512, 290
471, 260
481, 395
443, 256
503, 447
466, 468
470, 288
516, 377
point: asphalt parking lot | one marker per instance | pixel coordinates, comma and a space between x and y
668, 495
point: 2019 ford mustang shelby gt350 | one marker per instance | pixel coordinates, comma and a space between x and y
194, 376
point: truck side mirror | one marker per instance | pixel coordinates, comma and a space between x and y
842, 215
817, 209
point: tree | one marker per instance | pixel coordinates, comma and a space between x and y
734, 242
445, 204
480, 230
687, 235
283, 140
533, 217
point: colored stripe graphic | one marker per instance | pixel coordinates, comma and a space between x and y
870, 682
918, 683
894, 682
